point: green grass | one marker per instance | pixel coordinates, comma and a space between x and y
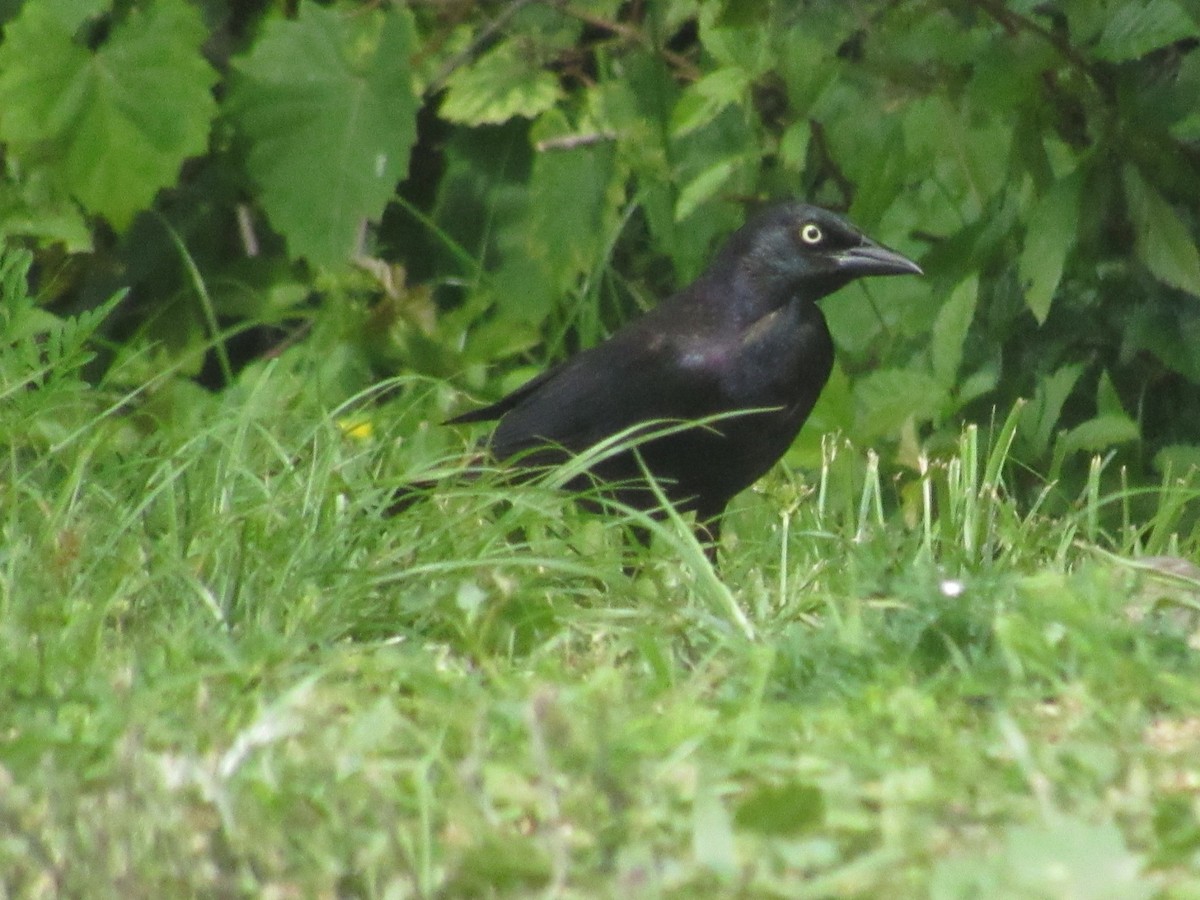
227, 673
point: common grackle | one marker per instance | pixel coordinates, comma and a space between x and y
745, 339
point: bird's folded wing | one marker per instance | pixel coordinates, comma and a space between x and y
603, 391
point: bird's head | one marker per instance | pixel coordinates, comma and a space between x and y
796, 249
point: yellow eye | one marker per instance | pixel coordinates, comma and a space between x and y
811, 234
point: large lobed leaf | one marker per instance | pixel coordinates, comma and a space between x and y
111, 126
328, 105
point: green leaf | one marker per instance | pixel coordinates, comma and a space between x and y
1171, 331
1177, 459
73, 13
1041, 415
36, 207
572, 199
1048, 239
1137, 28
703, 101
328, 106
571, 214
889, 397
1100, 433
1110, 426
703, 187
1163, 241
112, 126
736, 43
1108, 401
950, 330
500, 85
793, 145
743, 13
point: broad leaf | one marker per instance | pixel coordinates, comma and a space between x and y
571, 200
502, 84
1136, 28
1163, 241
1048, 239
37, 208
114, 125
328, 106
1110, 426
562, 235
703, 101
1169, 331
1108, 401
1099, 433
950, 330
887, 398
1177, 459
793, 145
1041, 415
703, 187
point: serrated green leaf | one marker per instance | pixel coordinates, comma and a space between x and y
950, 330
704, 100
742, 45
40, 94
38, 208
1041, 415
703, 186
1100, 433
502, 84
1048, 239
887, 398
1163, 241
1168, 330
1110, 426
981, 381
328, 106
1137, 28
73, 13
114, 125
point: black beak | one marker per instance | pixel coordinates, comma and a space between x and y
870, 258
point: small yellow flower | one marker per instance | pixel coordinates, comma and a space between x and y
359, 429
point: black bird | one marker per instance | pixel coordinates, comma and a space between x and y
747, 335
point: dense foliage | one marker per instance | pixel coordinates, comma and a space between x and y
228, 672
513, 179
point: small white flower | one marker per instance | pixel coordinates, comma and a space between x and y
952, 587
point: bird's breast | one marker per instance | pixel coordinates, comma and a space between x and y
782, 359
